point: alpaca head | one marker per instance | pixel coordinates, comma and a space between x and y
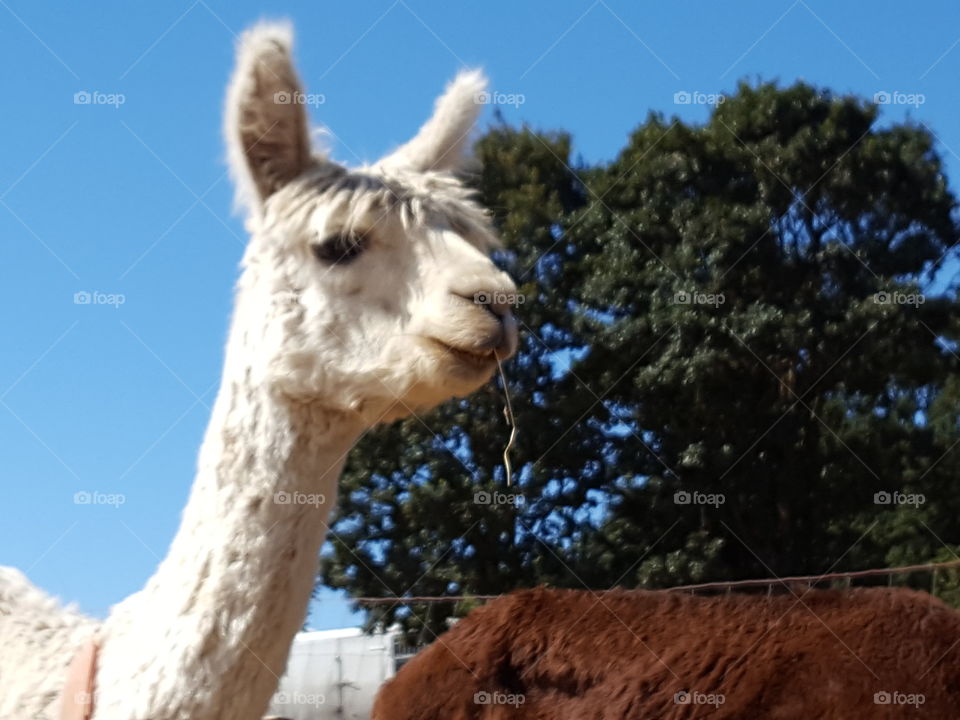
368, 289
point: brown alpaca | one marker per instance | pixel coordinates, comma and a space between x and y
570, 655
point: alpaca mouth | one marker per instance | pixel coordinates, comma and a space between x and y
477, 358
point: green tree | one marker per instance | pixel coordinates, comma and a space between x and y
731, 312
803, 393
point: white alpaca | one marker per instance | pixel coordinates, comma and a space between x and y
355, 306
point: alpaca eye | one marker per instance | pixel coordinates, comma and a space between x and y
339, 249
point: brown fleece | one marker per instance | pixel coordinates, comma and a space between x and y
573, 655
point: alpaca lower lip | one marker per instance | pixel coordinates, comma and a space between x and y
482, 358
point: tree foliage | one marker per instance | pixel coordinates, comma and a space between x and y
726, 354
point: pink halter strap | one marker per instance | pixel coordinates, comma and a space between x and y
76, 702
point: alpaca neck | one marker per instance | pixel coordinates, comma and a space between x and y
209, 635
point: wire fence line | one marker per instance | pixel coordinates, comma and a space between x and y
725, 586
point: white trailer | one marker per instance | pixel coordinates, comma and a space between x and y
335, 674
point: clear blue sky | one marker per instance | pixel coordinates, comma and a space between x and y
134, 199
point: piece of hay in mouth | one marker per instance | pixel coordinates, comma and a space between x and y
511, 421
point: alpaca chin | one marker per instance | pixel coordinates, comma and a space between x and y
422, 397
451, 374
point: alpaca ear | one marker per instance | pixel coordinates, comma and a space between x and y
266, 124
443, 141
